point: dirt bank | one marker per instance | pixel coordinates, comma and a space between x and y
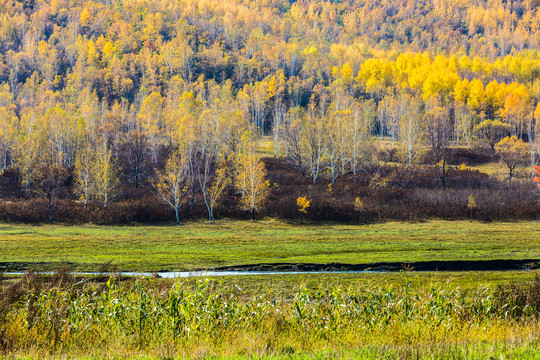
466, 265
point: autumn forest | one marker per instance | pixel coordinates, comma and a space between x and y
125, 111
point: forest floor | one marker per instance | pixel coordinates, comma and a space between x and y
229, 243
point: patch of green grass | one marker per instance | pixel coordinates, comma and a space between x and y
265, 146
200, 245
286, 285
500, 171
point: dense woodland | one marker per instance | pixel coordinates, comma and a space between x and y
120, 111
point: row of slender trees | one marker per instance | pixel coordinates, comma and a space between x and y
175, 94
210, 141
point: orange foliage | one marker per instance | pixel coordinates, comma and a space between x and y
536, 177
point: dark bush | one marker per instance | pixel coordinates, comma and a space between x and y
458, 156
517, 300
9, 184
387, 155
383, 193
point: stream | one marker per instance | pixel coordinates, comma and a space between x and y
306, 268
188, 274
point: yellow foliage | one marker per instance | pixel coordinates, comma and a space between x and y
303, 203
476, 94
172, 182
358, 204
471, 202
461, 90
84, 19
335, 72
464, 62
379, 182
376, 74
93, 55
511, 151
511, 143
346, 73
439, 81
495, 94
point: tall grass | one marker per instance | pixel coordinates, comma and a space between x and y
49, 316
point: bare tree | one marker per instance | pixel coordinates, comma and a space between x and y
250, 176
410, 132
48, 179
172, 182
438, 131
464, 120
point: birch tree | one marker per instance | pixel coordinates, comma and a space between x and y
410, 132
107, 180
28, 147
172, 182
220, 181
359, 134
464, 121
8, 122
533, 125
250, 174
151, 116
279, 117
511, 152
314, 141
85, 173
293, 135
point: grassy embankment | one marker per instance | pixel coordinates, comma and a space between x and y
200, 245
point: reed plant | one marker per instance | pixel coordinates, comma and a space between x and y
65, 316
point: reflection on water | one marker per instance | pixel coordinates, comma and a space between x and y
186, 274
168, 275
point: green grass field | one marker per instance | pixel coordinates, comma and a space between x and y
201, 245
287, 285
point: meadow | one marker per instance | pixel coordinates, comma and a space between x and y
397, 315
200, 245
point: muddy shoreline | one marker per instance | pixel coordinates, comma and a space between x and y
465, 265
